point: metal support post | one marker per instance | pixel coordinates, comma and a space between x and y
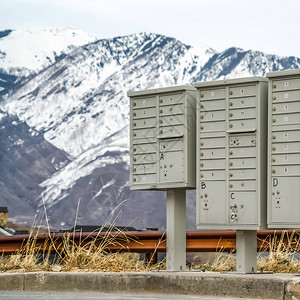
176, 230
246, 251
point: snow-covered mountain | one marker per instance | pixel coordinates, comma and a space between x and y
77, 102
25, 52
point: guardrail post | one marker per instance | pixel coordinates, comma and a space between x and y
176, 230
246, 251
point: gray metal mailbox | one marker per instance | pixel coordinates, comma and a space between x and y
232, 154
284, 150
162, 138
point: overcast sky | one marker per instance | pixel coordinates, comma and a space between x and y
271, 26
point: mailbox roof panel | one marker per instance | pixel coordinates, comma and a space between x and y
177, 88
230, 81
283, 73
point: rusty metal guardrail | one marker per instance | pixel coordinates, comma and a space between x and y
149, 242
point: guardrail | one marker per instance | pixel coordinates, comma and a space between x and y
149, 242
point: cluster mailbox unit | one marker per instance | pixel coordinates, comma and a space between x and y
162, 138
232, 154
163, 154
284, 150
236, 141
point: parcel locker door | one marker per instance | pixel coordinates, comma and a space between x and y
171, 166
212, 202
285, 206
243, 208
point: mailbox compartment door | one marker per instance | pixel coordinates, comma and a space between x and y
212, 204
213, 175
144, 148
212, 126
144, 123
286, 119
285, 147
144, 169
285, 205
243, 174
242, 185
144, 178
171, 145
239, 114
144, 113
242, 91
242, 163
286, 136
144, 158
212, 153
144, 102
216, 142
286, 96
286, 107
242, 152
171, 99
212, 94
285, 170
212, 105
242, 102
213, 164
171, 110
171, 131
243, 125
144, 133
210, 116
286, 159
171, 120
286, 84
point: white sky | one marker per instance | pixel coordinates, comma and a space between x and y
271, 26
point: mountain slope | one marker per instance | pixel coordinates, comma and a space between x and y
25, 52
79, 105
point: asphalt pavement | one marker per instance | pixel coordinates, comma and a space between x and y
34, 295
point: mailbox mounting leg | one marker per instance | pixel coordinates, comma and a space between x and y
176, 230
246, 251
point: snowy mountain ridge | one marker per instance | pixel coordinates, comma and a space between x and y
78, 104
23, 52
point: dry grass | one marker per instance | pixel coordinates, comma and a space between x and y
284, 254
277, 255
89, 255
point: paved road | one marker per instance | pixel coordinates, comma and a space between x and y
28, 295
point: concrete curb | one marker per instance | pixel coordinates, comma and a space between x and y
264, 286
